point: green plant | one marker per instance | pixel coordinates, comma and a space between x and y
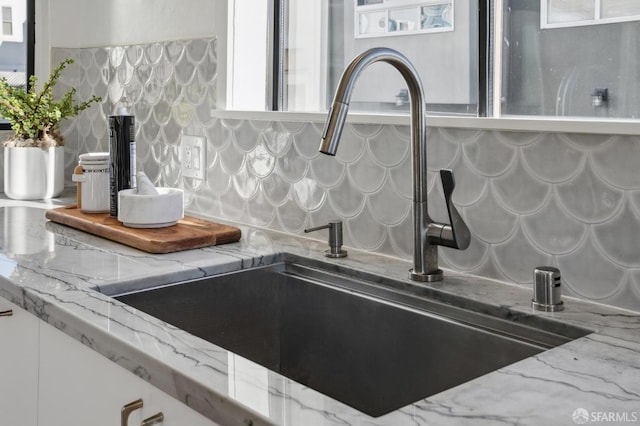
35, 114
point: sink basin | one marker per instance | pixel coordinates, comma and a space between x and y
368, 345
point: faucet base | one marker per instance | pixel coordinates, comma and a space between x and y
335, 254
426, 278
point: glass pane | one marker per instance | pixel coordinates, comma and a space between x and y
562, 11
372, 23
247, 82
436, 16
403, 19
322, 41
13, 44
620, 8
561, 71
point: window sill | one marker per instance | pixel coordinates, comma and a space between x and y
515, 124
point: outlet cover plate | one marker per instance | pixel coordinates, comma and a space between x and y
193, 156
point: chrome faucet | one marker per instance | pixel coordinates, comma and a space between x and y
428, 234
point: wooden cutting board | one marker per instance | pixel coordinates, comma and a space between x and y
188, 233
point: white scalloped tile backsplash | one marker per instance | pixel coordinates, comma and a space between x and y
530, 199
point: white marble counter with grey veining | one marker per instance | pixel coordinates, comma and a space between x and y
60, 274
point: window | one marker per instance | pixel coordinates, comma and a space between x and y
389, 18
16, 44
567, 13
318, 39
476, 58
576, 71
7, 21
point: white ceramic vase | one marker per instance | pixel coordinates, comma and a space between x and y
33, 173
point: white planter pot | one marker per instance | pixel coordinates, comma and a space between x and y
33, 173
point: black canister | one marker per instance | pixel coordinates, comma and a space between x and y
122, 157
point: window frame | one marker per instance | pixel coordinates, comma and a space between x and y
30, 49
490, 29
597, 19
7, 21
386, 8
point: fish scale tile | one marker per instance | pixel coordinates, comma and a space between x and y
401, 238
260, 162
520, 192
321, 216
470, 185
588, 198
588, 273
276, 190
400, 178
517, 257
469, 259
617, 238
346, 200
245, 137
442, 150
530, 199
388, 207
303, 143
490, 221
488, 155
276, 142
291, 218
388, 147
260, 211
352, 146
218, 181
552, 160
365, 231
244, 183
326, 171
308, 195
366, 174
552, 230
635, 282
616, 162
292, 167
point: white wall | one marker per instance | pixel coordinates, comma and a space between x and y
89, 23
95, 23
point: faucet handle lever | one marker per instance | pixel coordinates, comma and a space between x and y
335, 238
456, 235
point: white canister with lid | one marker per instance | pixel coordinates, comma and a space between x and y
94, 182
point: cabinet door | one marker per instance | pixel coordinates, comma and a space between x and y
175, 412
18, 366
81, 387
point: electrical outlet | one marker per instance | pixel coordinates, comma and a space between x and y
193, 156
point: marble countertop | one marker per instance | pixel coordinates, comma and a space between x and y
60, 274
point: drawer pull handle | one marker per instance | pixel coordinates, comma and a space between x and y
128, 409
6, 313
155, 419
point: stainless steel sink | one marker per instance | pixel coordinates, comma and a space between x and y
361, 342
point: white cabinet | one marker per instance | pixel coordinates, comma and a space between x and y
175, 413
18, 366
79, 386
48, 378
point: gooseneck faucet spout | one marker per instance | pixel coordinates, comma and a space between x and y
428, 234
